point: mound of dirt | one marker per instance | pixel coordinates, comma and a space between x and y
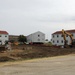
4, 59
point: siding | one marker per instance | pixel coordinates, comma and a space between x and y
3, 38
38, 37
60, 39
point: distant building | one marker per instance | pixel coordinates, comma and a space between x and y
4, 36
57, 38
13, 38
37, 37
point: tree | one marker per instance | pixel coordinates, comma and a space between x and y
22, 39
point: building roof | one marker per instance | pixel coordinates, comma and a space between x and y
60, 32
3, 32
13, 35
36, 32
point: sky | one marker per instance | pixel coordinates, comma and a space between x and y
28, 16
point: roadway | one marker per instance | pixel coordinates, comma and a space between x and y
60, 65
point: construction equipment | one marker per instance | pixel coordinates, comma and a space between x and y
72, 42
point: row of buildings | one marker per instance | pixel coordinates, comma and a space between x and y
58, 40
38, 37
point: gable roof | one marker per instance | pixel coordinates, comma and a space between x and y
60, 32
13, 35
3, 32
36, 32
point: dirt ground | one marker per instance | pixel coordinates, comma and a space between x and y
60, 65
37, 60
25, 52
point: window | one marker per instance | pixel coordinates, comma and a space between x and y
61, 41
57, 35
5, 36
0, 42
57, 41
38, 35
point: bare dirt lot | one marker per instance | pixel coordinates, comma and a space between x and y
60, 65
24, 60
25, 52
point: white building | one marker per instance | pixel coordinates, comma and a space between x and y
57, 38
37, 37
3, 37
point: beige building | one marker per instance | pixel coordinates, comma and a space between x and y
13, 38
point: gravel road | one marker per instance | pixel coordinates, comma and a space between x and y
60, 65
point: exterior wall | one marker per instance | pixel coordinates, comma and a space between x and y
3, 38
58, 39
37, 37
29, 38
13, 37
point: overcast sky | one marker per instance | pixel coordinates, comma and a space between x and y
29, 16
